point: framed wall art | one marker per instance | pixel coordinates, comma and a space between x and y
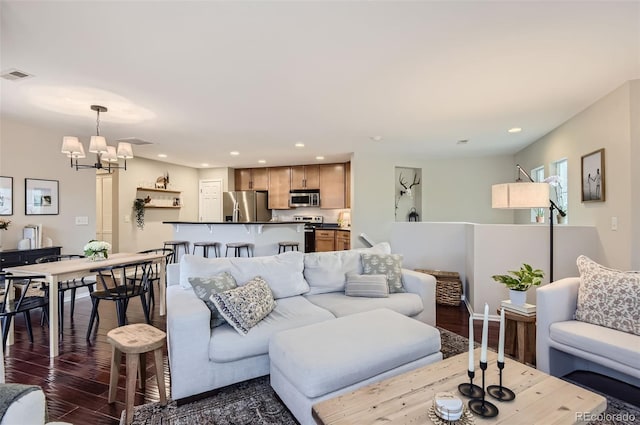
6, 195
592, 173
41, 197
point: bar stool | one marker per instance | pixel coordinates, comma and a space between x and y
237, 249
205, 248
282, 246
175, 245
135, 341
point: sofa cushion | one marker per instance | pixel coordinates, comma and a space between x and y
205, 287
608, 297
245, 306
282, 272
386, 264
366, 285
326, 271
227, 345
615, 345
341, 305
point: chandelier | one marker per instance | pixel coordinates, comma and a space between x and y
74, 150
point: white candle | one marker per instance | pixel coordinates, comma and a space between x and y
501, 340
485, 334
471, 365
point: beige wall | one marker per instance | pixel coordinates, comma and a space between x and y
605, 124
635, 174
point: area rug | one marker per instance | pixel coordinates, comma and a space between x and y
255, 403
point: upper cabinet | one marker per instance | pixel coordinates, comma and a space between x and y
279, 187
305, 177
252, 179
332, 185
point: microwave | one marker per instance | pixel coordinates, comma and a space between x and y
304, 198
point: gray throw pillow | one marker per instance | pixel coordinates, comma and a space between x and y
245, 306
205, 287
389, 265
367, 285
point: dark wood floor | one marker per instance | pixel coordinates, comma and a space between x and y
76, 383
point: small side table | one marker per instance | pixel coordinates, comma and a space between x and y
520, 336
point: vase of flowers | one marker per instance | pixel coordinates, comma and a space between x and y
519, 281
97, 250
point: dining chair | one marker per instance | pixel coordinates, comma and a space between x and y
121, 283
17, 298
68, 285
154, 275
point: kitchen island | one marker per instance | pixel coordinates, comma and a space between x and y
264, 235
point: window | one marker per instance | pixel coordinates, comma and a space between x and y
537, 174
560, 192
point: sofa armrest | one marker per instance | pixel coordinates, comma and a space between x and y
556, 302
425, 286
173, 274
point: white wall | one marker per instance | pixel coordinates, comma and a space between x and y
635, 174
223, 173
605, 124
33, 152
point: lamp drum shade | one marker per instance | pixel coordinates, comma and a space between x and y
520, 195
70, 145
125, 150
98, 144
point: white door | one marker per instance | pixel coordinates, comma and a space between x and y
104, 213
210, 205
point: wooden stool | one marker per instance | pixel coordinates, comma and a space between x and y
282, 246
205, 248
237, 249
175, 245
520, 336
135, 341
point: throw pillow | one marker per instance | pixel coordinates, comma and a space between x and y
245, 306
389, 265
608, 297
367, 285
205, 287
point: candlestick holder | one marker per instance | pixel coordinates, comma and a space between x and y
498, 391
480, 406
469, 389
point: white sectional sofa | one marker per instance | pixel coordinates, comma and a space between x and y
308, 288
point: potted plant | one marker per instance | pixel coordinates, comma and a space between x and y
138, 208
539, 215
519, 281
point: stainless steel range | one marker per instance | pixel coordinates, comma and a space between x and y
311, 222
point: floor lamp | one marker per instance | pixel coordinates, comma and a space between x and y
527, 195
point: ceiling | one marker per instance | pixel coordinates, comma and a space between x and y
201, 79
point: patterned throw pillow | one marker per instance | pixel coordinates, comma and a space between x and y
246, 305
389, 265
367, 285
205, 287
608, 297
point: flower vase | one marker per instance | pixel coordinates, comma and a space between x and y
518, 297
98, 256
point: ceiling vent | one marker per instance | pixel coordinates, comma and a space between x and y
15, 74
135, 141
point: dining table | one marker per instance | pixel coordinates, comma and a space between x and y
60, 271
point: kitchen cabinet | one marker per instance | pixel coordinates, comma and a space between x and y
343, 240
251, 179
159, 198
332, 186
325, 240
305, 177
279, 187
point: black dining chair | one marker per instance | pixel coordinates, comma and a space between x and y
17, 298
154, 276
68, 285
121, 283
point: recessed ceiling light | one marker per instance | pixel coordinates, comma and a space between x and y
262, 161
204, 164
319, 158
234, 153
462, 142
515, 130
376, 138
299, 145
162, 155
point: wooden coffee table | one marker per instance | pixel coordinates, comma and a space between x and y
406, 398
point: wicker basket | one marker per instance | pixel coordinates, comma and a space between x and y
448, 286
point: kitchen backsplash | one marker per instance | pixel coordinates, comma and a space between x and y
330, 216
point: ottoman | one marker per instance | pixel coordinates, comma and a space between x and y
320, 361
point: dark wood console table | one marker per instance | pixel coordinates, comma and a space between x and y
20, 257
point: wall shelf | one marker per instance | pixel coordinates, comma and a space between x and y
151, 189
162, 206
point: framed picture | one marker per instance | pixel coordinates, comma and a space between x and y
6, 195
41, 197
593, 177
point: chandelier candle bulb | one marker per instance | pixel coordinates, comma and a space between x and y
485, 334
501, 338
471, 361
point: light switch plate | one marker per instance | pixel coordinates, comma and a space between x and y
614, 223
127, 218
82, 220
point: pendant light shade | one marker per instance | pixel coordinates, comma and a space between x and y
110, 156
125, 150
70, 145
98, 144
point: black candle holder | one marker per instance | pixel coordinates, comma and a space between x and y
480, 406
498, 391
469, 389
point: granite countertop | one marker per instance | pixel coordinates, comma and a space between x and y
232, 222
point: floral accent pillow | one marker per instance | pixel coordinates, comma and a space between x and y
608, 297
389, 265
205, 287
245, 306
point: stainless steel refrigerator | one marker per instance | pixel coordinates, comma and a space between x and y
245, 205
